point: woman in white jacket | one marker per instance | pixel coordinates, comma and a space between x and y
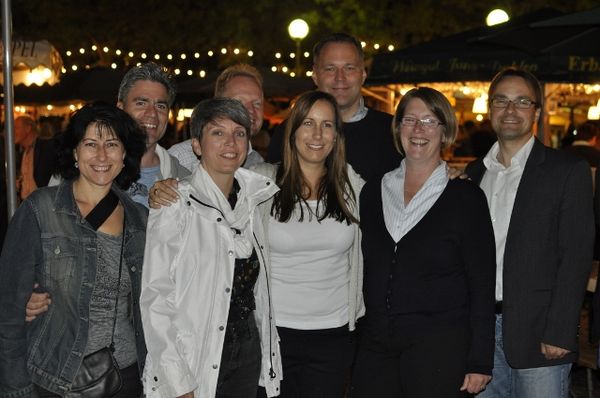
205, 302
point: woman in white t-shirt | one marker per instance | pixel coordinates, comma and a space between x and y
314, 244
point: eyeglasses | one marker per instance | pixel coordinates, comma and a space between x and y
425, 123
519, 103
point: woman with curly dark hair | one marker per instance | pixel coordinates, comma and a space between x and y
83, 243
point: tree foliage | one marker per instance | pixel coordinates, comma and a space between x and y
260, 25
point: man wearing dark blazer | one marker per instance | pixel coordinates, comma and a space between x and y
540, 203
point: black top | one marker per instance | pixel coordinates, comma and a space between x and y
441, 273
589, 153
245, 275
45, 161
242, 294
369, 146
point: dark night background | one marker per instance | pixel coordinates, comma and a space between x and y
186, 26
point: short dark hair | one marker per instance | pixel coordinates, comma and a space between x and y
149, 71
218, 108
529, 78
586, 131
337, 38
437, 103
110, 119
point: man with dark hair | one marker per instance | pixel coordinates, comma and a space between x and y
245, 84
339, 69
146, 93
586, 139
540, 201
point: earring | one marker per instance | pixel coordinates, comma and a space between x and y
76, 165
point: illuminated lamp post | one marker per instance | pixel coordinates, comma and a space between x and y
496, 17
298, 30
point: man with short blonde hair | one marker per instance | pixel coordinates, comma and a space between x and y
244, 83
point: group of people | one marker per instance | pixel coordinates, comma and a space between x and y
355, 263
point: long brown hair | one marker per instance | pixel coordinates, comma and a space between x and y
334, 188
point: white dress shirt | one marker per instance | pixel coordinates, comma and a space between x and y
500, 185
400, 218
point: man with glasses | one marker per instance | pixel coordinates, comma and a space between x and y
540, 201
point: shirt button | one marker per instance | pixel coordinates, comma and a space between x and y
219, 219
57, 250
230, 252
227, 290
215, 366
133, 269
221, 328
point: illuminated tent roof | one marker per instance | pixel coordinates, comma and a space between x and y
554, 46
34, 62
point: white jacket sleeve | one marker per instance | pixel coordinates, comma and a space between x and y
167, 373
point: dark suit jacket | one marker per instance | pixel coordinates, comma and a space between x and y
547, 257
589, 153
595, 321
44, 161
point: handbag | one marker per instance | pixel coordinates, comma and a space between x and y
99, 375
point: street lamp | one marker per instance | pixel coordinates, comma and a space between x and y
298, 29
496, 17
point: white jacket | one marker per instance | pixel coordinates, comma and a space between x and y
186, 288
356, 305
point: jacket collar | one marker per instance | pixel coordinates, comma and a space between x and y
255, 187
477, 169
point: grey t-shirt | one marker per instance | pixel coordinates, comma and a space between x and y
102, 305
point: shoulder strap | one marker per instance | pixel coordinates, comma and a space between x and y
103, 210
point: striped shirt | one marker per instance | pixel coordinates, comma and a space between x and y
400, 218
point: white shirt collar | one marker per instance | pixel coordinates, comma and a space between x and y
491, 161
360, 113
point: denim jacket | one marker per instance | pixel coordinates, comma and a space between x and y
48, 242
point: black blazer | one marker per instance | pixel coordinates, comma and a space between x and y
45, 156
547, 257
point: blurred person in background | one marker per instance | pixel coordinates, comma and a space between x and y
38, 157
584, 145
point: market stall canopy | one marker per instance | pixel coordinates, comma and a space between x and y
34, 62
555, 47
97, 83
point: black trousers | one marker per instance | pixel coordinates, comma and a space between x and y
316, 363
240, 360
410, 365
132, 385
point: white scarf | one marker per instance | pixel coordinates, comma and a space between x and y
238, 218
